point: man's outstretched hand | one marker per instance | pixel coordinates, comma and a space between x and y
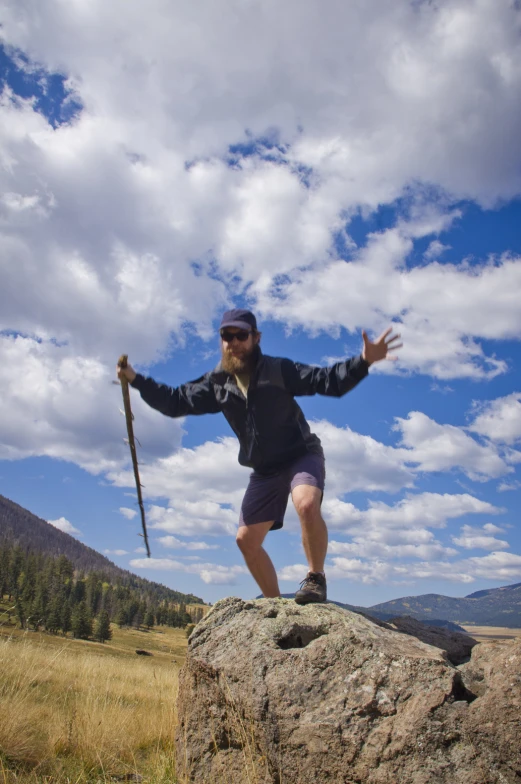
128, 372
374, 352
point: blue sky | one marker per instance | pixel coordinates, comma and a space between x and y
333, 174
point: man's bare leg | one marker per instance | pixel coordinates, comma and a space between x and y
249, 540
314, 532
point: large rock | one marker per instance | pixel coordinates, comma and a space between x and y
457, 645
274, 693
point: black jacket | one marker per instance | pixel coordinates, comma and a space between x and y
269, 424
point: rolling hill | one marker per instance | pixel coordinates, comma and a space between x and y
490, 607
21, 527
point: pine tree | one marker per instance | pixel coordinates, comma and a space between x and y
39, 609
78, 592
54, 618
149, 619
137, 620
82, 622
66, 618
122, 617
4, 571
103, 631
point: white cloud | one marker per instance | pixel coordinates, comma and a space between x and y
211, 574
490, 528
505, 486
500, 419
440, 335
501, 566
359, 462
497, 566
47, 385
118, 252
380, 550
176, 544
436, 447
208, 474
293, 573
435, 250
423, 510
480, 539
115, 552
192, 518
128, 513
64, 525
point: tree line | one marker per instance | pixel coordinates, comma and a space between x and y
21, 527
46, 592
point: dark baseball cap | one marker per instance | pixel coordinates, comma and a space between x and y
242, 319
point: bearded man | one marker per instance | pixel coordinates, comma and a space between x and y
256, 393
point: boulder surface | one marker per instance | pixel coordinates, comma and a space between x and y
457, 645
275, 693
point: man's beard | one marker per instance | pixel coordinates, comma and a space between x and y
239, 365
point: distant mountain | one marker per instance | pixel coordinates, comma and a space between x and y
21, 527
490, 607
386, 616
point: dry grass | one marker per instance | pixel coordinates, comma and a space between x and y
488, 633
79, 712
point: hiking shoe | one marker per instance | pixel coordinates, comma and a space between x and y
312, 589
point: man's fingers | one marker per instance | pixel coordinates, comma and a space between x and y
382, 338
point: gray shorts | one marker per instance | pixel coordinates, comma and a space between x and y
266, 496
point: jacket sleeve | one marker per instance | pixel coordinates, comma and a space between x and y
333, 381
196, 397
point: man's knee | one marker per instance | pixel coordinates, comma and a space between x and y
246, 542
307, 505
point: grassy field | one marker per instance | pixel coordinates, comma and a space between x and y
75, 711
488, 633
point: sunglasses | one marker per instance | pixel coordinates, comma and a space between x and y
241, 336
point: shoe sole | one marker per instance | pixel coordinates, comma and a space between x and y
310, 601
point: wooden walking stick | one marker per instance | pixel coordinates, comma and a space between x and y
129, 416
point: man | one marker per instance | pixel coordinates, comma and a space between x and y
256, 394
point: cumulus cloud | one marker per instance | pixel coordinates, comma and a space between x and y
436, 447
192, 518
500, 419
177, 544
480, 539
73, 409
115, 552
387, 542
441, 335
423, 510
504, 487
211, 574
324, 116
64, 525
128, 513
359, 462
380, 550
497, 566
435, 250
503, 567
